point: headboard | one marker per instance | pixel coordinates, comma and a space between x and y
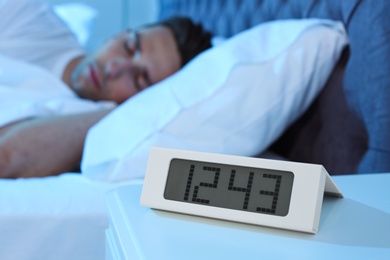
347, 129
228, 17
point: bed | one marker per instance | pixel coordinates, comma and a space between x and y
344, 125
52, 218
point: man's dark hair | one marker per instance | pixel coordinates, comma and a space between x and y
191, 38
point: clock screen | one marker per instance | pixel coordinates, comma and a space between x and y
250, 189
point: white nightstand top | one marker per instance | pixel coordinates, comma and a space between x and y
356, 227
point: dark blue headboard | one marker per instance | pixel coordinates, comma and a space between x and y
228, 17
347, 129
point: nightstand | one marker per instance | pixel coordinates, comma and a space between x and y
356, 227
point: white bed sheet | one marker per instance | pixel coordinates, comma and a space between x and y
61, 217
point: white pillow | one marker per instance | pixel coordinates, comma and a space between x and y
79, 17
236, 98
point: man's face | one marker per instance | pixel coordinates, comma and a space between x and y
127, 64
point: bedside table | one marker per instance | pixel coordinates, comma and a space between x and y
356, 227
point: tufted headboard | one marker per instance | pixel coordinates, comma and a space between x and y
347, 128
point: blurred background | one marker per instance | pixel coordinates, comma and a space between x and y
94, 21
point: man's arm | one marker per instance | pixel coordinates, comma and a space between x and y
44, 146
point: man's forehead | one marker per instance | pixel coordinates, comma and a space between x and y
154, 28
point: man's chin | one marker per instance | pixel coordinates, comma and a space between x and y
79, 91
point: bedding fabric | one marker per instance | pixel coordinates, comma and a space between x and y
58, 218
30, 84
208, 105
79, 18
27, 90
51, 44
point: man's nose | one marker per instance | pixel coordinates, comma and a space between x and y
116, 66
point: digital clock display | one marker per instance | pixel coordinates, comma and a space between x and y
264, 191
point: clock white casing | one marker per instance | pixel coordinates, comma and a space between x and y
308, 187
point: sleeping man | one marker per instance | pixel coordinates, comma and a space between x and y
125, 65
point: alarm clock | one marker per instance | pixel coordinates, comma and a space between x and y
273, 193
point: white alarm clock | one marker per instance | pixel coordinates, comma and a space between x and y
271, 193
